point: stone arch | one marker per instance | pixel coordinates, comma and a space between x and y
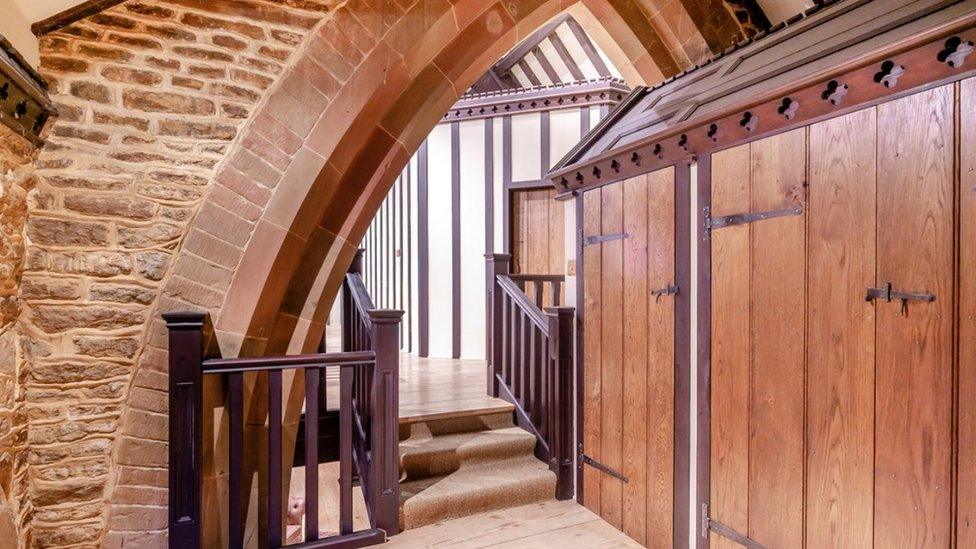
302, 182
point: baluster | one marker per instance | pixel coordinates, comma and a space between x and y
506, 336
518, 362
526, 363
312, 377
235, 415
557, 287
512, 376
531, 398
345, 448
538, 342
274, 460
545, 404
539, 291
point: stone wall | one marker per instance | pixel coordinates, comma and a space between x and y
151, 95
17, 157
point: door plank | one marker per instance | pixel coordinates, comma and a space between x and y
635, 355
611, 432
660, 353
914, 353
778, 319
840, 392
730, 345
556, 234
966, 484
592, 348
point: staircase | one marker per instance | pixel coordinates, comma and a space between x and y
465, 465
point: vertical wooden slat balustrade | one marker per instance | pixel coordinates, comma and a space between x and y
531, 361
367, 427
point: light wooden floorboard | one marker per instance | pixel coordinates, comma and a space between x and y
431, 388
562, 524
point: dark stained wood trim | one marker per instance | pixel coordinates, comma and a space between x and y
725, 129
594, 56
456, 239
567, 58
26, 108
682, 352
489, 186
411, 319
604, 91
544, 136
543, 61
423, 256
704, 388
580, 380
506, 181
529, 73
530, 43
62, 19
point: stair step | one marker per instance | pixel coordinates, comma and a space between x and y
461, 423
424, 456
476, 487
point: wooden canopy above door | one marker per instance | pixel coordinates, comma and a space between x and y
836, 58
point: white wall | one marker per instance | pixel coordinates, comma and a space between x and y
399, 281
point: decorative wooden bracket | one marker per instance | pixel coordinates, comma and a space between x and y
889, 74
835, 92
749, 121
955, 52
788, 108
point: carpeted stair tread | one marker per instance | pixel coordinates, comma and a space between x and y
424, 457
477, 488
456, 467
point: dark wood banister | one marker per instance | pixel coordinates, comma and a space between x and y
530, 361
367, 427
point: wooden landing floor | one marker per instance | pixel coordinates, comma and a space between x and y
562, 524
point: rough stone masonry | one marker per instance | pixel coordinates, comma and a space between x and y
150, 96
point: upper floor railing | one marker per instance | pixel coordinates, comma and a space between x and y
367, 429
530, 360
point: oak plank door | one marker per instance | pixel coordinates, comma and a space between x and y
840, 406
538, 235
966, 488
758, 340
831, 415
913, 437
628, 393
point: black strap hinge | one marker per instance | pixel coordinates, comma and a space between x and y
597, 239
667, 290
601, 467
727, 532
743, 218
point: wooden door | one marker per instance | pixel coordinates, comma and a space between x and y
831, 414
537, 232
629, 355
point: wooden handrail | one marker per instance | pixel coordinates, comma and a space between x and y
360, 297
367, 428
530, 309
229, 365
530, 361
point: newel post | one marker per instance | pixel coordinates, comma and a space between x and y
348, 318
186, 351
495, 264
561, 320
385, 424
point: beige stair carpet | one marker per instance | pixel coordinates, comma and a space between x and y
462, 466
